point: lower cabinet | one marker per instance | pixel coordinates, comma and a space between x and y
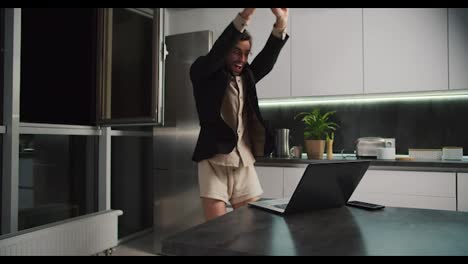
412, 189
279, 182
271, 179
462, 198
292, 176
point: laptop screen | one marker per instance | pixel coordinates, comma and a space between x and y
327, 185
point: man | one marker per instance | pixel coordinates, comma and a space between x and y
232, 129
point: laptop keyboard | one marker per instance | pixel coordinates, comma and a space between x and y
281, 206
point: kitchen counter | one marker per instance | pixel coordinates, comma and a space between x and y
416, 165
337, 231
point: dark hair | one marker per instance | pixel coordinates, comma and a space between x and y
245, 36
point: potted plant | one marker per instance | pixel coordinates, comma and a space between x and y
318, 128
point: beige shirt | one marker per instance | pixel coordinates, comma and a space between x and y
234, 114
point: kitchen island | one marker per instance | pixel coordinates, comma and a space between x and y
337, 231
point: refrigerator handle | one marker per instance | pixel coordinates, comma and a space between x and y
158, 64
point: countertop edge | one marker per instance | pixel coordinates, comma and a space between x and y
430, 166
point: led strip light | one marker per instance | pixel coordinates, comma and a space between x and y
365, 99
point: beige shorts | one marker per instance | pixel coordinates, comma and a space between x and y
229, 184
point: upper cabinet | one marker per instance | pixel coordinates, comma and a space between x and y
352, 51
278, 82
458, 48
405, 49
185, 20
326, 54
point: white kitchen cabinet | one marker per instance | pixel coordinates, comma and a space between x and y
278, 82
405, 49
458, 48
279, 182
462, 199
292, 176
343, 51
184, 20
414, 189
271, 180
326, 54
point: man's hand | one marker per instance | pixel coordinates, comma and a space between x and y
281, 16
247, 13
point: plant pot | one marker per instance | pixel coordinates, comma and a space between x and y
315, 149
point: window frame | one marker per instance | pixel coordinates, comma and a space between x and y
104, 86
12, 128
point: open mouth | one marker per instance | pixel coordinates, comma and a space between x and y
238, 67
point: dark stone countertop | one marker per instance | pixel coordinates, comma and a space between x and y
416, 165
338, 231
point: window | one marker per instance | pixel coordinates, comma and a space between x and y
58, 65
130, 88
56, 156
57, 178
132, 179
131, 64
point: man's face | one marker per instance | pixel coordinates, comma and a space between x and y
237, 57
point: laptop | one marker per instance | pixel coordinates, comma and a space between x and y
322, 186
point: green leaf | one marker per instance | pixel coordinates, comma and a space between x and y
317, 125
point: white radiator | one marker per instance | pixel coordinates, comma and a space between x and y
85, 235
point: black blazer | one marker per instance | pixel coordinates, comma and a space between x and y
210, 80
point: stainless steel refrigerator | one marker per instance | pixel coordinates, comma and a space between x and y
177, 205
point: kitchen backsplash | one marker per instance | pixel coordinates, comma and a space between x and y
415, 124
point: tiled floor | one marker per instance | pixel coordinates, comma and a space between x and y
142, 246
